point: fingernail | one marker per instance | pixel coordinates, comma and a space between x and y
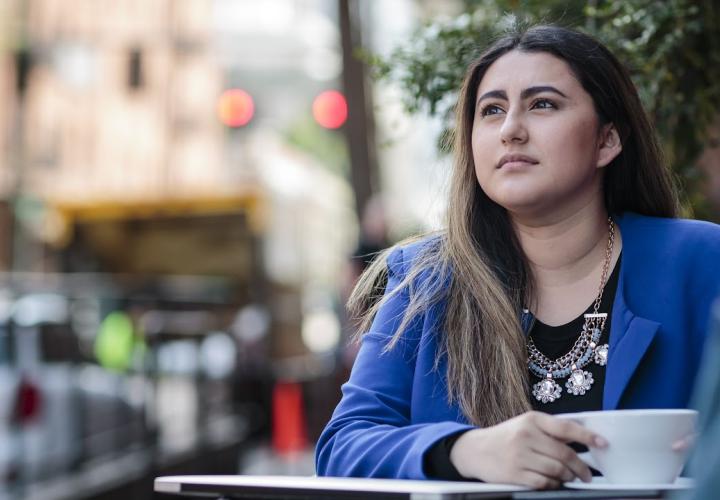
600, 442
679, 446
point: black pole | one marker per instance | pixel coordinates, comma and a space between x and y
360, 127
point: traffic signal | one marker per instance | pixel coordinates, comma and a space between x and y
235, 108
330, 109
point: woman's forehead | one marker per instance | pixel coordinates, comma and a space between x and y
518, 69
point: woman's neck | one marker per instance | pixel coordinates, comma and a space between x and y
566, 256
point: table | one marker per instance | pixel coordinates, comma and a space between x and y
306, 488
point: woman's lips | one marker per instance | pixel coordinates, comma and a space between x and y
513, 161
517, 164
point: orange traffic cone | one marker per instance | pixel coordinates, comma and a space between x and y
288, 431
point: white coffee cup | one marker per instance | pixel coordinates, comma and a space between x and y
640, 443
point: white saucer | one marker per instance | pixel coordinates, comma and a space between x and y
600, 483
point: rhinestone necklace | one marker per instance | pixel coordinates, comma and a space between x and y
585, 349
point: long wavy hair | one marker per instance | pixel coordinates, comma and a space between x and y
478, 258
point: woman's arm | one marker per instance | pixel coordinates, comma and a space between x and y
371, 433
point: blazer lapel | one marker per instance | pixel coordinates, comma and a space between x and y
630, 337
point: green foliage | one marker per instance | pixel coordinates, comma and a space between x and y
671, 47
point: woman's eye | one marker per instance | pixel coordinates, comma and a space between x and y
543, 104
490, 109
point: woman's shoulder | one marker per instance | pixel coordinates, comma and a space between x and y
412, 251
681, 234
678, 252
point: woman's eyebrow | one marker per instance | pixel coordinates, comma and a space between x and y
498, 94
528, 92
531, 91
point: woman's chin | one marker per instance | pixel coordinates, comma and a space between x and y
521, 202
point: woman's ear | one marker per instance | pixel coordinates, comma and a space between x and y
609, 145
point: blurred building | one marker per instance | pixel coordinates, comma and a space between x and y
121, 164
125, 190
7, 122
7, 84
120, 102
120, 125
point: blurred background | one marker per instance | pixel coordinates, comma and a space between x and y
189, 188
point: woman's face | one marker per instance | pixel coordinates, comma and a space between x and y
537, 143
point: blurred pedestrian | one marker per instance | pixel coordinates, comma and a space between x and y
372, 240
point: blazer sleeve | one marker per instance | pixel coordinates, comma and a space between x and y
371, 432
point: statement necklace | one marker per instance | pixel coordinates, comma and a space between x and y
584, 351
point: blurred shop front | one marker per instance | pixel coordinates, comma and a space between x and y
126, 356
171, 335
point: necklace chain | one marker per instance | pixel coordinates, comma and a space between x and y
606, 264
584, 350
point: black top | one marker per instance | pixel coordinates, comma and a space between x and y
553, 342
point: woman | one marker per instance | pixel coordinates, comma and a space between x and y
523, 306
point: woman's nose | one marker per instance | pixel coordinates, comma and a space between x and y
513, 129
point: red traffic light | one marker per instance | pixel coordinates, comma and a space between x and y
330, 109
235, 108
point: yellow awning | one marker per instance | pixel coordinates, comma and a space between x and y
69, 212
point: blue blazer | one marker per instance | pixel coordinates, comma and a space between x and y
395, 407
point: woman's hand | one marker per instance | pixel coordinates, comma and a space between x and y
685, 444
530, 450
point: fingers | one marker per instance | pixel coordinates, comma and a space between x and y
551, 468
537, 481
685, 443
529, 449
549, 447
568, 431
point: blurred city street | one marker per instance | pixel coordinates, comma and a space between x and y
188, 189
